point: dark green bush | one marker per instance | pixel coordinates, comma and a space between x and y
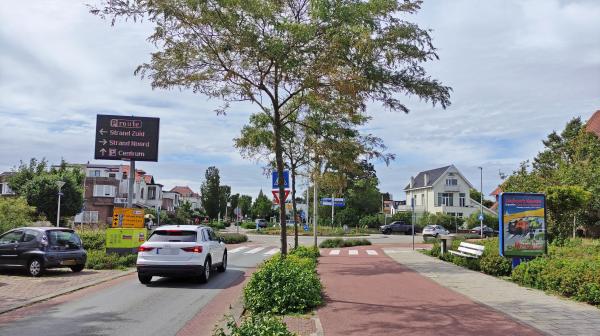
249, 225
233, 238
339, 242
372, 221
98, 259
93, 240
255, 325
495, 265
217, 225
283, 285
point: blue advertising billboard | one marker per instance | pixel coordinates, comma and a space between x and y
522, 218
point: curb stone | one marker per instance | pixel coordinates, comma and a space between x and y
65, 291
318, 326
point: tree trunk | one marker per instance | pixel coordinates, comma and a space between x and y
280, 181
293, 172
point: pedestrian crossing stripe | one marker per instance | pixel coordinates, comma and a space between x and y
353, 252
238, 249
273, 251
334, 252
372, 252
260, 248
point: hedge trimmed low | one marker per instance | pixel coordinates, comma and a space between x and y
255, 325
283, 286
233, 238
339, 242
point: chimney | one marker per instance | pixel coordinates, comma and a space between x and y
412, 181
426, 179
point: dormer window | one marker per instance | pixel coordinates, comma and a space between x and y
451, 182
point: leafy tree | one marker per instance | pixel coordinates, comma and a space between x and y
224, 195
164, 217
211, 192
245, 204
403, 216
365, 197
473, 221
280, 55
262, 207
183, 214
39, 186
563, 204
234, 200
15, 212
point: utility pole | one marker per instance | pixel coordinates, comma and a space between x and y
59, 184
131, 183
481, 201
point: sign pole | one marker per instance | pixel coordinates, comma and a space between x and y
315, 209
332, 208
131, 183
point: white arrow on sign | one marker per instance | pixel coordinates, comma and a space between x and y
102, 151
103, 142
102, 131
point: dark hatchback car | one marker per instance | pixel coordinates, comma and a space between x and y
36, 249
398, 226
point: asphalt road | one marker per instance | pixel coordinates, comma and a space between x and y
130, 308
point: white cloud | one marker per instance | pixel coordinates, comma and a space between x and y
519, 69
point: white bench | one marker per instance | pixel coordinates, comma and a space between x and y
468, 250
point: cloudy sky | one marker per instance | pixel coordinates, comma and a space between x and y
519, 69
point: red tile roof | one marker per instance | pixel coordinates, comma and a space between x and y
184, 191
496, 191
593, 125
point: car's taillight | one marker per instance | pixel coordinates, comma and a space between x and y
145, 249
193, 249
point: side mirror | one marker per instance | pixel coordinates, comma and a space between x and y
221, 240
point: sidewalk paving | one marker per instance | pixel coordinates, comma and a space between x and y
548, 313
18, 290
374, 295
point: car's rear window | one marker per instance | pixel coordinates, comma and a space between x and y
63, 238
173, 236
429, 227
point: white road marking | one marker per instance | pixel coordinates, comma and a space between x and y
396, 251
238, 249
353, 252
255, 250
271, 252
334, 252
372, 252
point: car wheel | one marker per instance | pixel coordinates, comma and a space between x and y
77, 268
144, 278
223, 265
35, 267
436, 235
206, 272
387, 232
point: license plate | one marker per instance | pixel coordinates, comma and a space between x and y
166, 251
69, 262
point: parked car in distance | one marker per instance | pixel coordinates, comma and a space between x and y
434, 231
290, 222
261, 223
181, 250
36, 249
397, 226
487, 231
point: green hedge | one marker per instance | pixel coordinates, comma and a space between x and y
572, 270
98, 259
93, 239
255, 325
339, 242
249, 225
233, 238
306, 252
283, 285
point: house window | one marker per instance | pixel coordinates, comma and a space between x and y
451, 182
461, 199
459, 214
112, 175
1, 188
422, 199
142, 194
151, 193
445, 199
90, 217
95, 173
101, 190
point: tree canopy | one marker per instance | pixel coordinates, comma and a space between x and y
211, 192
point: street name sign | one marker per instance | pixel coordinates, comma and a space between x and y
338, 202
128, 218
126, 138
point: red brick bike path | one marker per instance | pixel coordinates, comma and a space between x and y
374, 295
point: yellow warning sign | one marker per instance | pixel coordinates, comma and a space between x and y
128, 218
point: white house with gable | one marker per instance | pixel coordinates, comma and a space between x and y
443, 190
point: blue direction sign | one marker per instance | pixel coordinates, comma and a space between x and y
339, 202
305, 227
286, 179
480, 217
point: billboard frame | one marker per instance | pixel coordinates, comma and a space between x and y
501, 207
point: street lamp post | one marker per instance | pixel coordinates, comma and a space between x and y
481, 201
59, 184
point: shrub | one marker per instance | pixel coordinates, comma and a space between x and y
233, 238
93, 240
339, 242
306, 252
255, 325
98, 259
372, 221
217, 225
249, 225
495, 265
283, 285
